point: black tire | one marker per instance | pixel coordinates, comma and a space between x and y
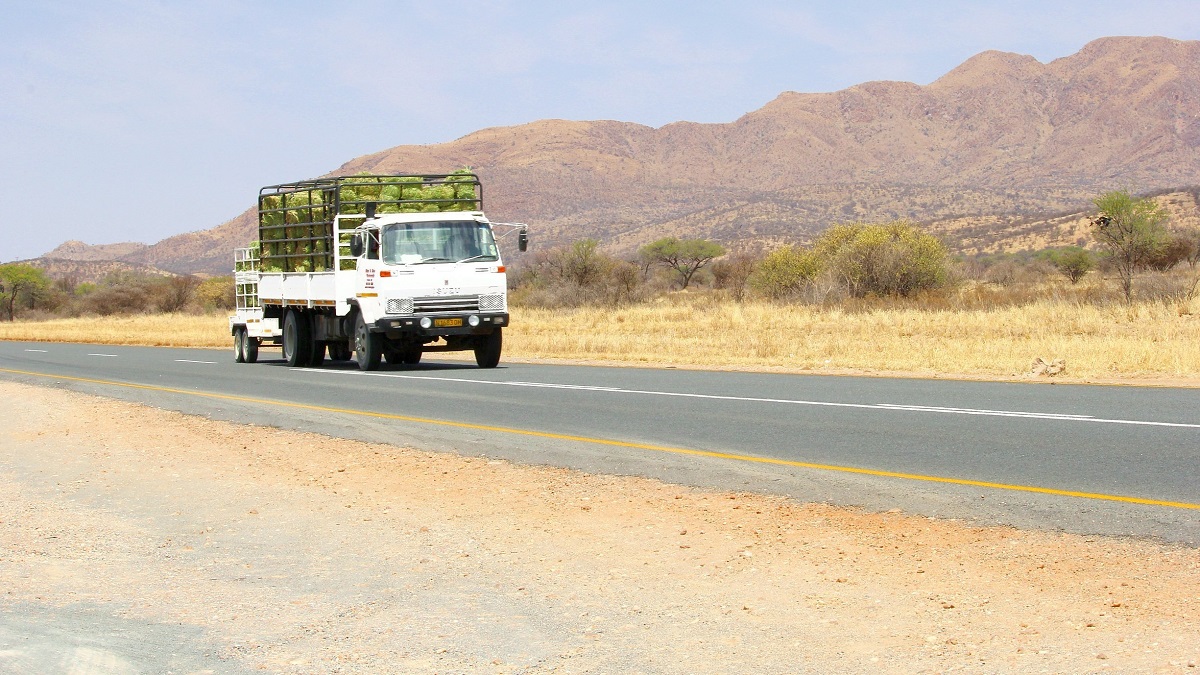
249, 348
297, 339
368, 346
411, 356
239, 345
317, 357
340, 351
407, 356
487, 353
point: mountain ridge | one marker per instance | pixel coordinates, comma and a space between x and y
999, 133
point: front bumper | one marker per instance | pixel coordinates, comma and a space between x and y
459, 323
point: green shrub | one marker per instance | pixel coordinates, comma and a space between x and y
1074, 262
782, 273
886, 259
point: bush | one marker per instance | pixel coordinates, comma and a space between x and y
890, 259
1177, 248
784, 272
732, 273
173, 294
127, 298
215, 293
1074, 262
575, 276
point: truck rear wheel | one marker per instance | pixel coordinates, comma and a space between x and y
249, 347
297, 339
368, 346
487, 353
317, 357
239, 354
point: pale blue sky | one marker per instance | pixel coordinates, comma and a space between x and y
133, 120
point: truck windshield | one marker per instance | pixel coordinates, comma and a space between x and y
438, 241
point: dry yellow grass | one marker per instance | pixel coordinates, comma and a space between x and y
157, 330
1151, 341
1146, 341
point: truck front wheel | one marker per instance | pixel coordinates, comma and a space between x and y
297, 339
487, 352
368, 346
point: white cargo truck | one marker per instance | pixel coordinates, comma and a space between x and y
374, 267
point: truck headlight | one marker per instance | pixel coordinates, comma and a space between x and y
473, 320
426, 322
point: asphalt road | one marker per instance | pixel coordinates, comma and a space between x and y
1087, 459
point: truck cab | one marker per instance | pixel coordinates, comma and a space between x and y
421, 278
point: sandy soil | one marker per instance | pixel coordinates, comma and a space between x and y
138, 540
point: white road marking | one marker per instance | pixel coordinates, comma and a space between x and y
40, 351
894, 407
972, 411
111, 356
211, 363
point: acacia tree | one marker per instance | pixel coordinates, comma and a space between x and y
685, 256
17, 280
1132, 230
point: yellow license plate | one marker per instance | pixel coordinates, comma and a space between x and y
446, 323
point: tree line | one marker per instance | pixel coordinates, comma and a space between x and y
27, 291
852, 260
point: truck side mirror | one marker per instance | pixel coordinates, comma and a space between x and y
522, 241
356, 245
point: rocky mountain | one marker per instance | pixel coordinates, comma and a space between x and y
1000, 134
78, 250
94, 270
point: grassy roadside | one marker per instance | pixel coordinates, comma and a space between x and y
1146, 343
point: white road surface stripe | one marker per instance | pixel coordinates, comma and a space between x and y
895, 407
211, 363
111, 356
40, 351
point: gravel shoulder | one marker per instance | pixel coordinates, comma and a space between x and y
139, 540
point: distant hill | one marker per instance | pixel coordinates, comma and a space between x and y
90, 270
1000, 138
78, 250
1009, 233
207, 252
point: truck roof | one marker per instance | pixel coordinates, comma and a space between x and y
389, 218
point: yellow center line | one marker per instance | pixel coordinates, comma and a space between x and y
626, 444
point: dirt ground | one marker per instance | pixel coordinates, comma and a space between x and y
138, 540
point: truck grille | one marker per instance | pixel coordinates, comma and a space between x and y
400, 306
453, 303
492, 302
